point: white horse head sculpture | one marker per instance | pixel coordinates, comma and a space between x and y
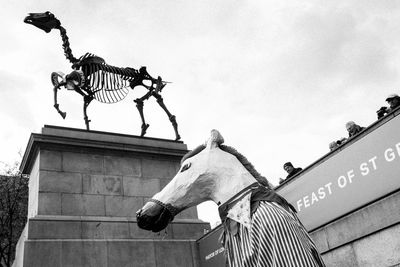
250, 209
208, 172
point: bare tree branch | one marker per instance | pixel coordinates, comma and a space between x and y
13, 213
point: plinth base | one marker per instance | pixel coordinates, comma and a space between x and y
84, 190
100, 241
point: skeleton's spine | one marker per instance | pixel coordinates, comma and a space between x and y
66, 47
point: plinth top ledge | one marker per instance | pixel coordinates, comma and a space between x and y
111, 137
64, 136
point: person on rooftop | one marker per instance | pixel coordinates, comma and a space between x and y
393, 101
288, 167
353, 128
335, 144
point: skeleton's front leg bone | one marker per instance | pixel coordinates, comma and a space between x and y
139, 105
56, 105
171, 117
87, 99
57, 84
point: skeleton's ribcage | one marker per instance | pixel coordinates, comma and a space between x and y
108, 84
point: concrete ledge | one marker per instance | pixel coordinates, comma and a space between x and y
111, 137
99, 253
374, 217
102, 218
53, 136
75, 227
379, 249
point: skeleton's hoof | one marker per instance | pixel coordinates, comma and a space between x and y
178, 137
144, 129
63, 114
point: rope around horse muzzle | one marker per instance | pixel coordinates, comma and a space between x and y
171, 209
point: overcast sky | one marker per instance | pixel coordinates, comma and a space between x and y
279, 79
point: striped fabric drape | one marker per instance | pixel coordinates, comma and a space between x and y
276, 238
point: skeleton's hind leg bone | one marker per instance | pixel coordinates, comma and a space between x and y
171, 117
139, 105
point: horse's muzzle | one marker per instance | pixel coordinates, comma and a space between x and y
153, 217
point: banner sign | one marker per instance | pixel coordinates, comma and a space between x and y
211, 251
364, 171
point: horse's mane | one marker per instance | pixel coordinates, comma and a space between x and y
242, 159
193, 152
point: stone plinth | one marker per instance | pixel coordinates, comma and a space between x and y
84, 190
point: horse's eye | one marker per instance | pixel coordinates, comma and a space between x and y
185, 167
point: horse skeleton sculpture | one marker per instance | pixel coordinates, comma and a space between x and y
94, 79
260, 227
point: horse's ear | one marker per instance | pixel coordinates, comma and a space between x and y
215, 139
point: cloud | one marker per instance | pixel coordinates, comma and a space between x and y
278, 78
14, 98
338, 44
